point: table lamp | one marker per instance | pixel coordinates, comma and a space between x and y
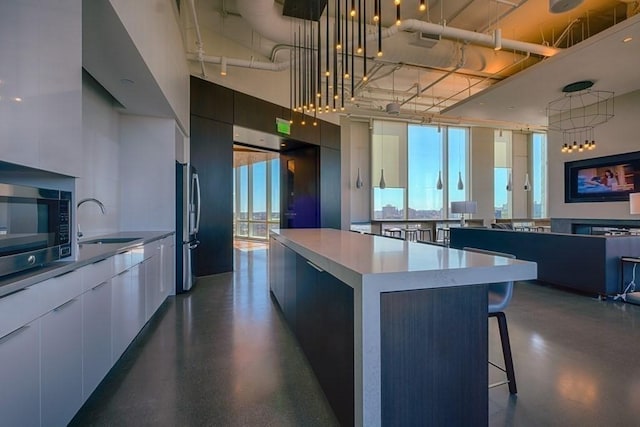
467, 207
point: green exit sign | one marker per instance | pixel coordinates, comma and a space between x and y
283, 126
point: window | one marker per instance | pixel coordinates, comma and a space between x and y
425, 167
502, 178
414, 158
458, 181
539, 175
389, 160
256, 193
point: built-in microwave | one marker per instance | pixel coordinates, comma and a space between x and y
34, 227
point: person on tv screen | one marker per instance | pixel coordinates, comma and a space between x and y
610, 180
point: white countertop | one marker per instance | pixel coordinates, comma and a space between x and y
351, 256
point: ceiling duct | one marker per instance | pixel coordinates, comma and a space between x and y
393, 108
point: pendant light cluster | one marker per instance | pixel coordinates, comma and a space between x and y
323, 67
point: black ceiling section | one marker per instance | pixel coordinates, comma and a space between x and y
310, 10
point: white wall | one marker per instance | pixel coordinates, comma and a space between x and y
619, 135
147, 173
100, 176
482, 161
153, 28
355, 153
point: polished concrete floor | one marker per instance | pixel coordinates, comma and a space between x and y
223, 356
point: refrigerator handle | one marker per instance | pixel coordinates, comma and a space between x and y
196, 181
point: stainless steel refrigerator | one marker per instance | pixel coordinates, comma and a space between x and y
187, 224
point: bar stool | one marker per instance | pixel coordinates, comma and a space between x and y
499, 297
393, 232
422, 232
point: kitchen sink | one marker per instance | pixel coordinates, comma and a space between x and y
107, 240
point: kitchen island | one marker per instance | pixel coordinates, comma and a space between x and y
395, 331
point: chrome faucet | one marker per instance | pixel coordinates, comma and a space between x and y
89, 199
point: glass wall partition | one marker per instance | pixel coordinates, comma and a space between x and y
256, 193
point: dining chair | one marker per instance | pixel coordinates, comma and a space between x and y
499, 298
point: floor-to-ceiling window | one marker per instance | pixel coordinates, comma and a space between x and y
256, 193
423, 168
502, 179
539, 175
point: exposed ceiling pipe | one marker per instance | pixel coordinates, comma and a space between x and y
520, 61
199, 45
235, 62
265, 17
414, 25
441, 78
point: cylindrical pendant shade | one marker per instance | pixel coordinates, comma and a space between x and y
439, 183
382, 184
460, 183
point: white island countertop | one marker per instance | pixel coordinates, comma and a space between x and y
353, 256
382, 269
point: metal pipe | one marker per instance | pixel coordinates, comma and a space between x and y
198, 37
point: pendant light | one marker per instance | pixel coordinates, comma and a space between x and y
509, 183
382, 184
439, 183
460, 183
527, 184
358, 180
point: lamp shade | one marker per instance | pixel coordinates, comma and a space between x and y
468, 207
634, 203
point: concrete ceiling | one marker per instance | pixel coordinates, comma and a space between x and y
605, 58
508, 88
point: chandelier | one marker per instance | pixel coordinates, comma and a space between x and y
324, 72
577, 113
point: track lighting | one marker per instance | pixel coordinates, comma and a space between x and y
497, 39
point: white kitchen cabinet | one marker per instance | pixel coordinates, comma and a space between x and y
61, 363
127, 309
96, 336
168, 267
20, 376
153, 284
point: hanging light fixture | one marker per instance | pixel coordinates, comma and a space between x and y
578, 112
527, 184
509, 183
398, 20
358, 180
439, 182
223, 66
423, 6
382, 185
460, 183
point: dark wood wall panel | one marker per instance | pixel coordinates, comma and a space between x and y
431, 365
330, 199
330, 135
211, 100
212, 155
254, 113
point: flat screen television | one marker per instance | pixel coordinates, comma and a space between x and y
602, 179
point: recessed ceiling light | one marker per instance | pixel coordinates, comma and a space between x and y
283, 144
627, 39
17, 99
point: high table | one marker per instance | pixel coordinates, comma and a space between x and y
395, 331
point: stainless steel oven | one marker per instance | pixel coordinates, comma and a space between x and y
34, 227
